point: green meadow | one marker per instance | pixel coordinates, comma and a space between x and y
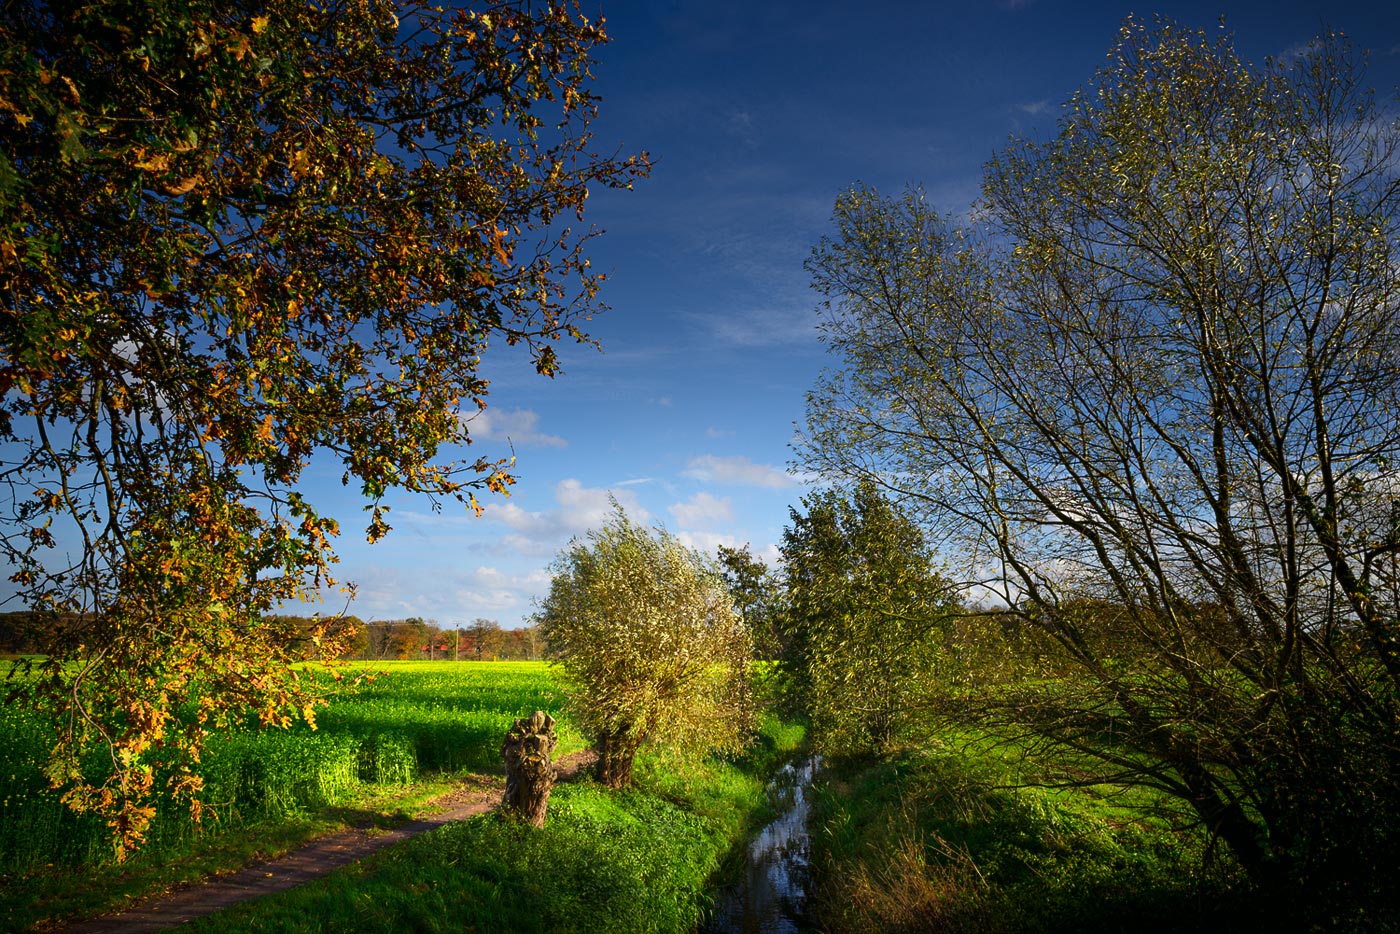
641, 860
950, 834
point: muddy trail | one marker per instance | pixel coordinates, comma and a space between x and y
477, 795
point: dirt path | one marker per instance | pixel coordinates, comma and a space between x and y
319, 857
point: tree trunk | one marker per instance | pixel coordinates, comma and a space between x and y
615, 755
530, 772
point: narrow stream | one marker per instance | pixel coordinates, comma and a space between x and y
771, 893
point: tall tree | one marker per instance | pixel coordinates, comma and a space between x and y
866, 618
650, 644
235, 234
1156, 399
408, 638
486, 638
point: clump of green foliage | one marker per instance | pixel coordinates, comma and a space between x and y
865, 618
650, 646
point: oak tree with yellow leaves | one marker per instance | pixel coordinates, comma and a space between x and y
234, 235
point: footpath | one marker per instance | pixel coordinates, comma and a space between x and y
477, 795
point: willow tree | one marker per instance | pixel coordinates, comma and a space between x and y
1152, 396
650, 645
234, 235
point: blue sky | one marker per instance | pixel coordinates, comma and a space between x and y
757, 114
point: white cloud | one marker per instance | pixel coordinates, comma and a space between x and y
579, 508
702, 511
1035, 108
514, 425
448, 596
488, 590
717, 433
739, 471
489, 576
478, 602
706, 542
1298, 52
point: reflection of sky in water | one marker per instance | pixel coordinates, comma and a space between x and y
769, 896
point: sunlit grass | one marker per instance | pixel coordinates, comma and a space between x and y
642, 860
959, 835
404, 723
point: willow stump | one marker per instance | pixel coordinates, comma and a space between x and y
530, 772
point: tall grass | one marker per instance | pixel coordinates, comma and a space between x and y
949, 839
452, 714
410, 719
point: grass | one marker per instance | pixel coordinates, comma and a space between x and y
379, 753
634, 861
948, 838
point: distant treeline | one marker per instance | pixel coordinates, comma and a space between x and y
411, 638
415, 638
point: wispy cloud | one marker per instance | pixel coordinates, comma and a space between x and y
1295, 52
448, 596
761, 327
518, 426
488, 590
738, 471
741, 124
1036, 108
703, 510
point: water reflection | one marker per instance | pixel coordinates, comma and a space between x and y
770, 895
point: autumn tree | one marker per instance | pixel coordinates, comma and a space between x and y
649, 643
487, 638
866, 617
344, 634
234, 235
1153, 396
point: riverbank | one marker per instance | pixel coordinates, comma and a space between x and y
954, 836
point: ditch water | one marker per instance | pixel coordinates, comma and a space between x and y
770, 894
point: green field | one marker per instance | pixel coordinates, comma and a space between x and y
380, 748
640, 860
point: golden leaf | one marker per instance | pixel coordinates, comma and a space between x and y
183, 186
